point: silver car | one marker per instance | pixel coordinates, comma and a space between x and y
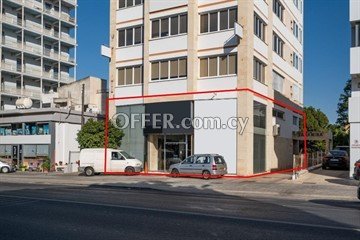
204, 165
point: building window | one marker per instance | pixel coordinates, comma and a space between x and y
295, 121
130, 75
278, 114
217, 21
278, 45
130, 36
129, 3
218, 65
259, 27
259, 115
278, 82
259, 70
297, 62
169, 26
297, 31
355, 34
299, 5
278, 9
169, 69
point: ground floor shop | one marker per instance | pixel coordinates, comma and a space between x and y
215, 127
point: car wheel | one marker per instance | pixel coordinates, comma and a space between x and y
175, 173
89, 171
206, 175
129, 170
5, 170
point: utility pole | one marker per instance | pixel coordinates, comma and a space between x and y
82, 104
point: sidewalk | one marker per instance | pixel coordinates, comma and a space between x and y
313, 185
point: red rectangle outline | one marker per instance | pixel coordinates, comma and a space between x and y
146, 173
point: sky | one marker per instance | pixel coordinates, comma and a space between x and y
326, 48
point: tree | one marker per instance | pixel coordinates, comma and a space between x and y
340, 130
317, 121
343, 106
92, 135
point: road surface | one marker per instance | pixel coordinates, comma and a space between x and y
38, 211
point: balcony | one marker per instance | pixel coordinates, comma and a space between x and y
12, 44
67, 58
52, 12
21, 92
32, 71
11, 20
33, 26
66, 37
66, 78
33, 4
51, 32
355, 60
66, 17
72, 2
36, 50
51, 75
10, 67
50, 53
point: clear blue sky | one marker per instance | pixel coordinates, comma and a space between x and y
327, 43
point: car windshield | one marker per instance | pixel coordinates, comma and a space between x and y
126, 155
337, 153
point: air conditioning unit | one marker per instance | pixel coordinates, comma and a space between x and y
276, 130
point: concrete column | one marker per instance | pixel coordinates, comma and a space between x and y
192, 57
146, 37
271, 159
245, 79
112, 65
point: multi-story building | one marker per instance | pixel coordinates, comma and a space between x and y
164, 47
38, 49
354, 100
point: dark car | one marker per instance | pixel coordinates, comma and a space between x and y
336, 159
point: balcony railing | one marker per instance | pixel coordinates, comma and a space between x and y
11, 67
32, 71
21, 92
51, 32
32, 49
73, 2
67, 58
66, 17
11, 20
68, 38
11, 43
50, 75
66, 78
49, 53
33, 4
32, 26
51, 12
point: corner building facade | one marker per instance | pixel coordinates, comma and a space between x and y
164, 47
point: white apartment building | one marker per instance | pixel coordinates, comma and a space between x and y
354, 101
163, 47
38, 49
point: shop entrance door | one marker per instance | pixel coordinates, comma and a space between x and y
173, 149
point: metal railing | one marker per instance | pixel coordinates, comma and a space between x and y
51, 12
32, 71
66, 78
67, 58
49, 53
33, 4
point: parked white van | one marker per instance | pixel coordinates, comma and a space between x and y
92, 161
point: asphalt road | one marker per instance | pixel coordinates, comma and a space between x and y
95, 212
